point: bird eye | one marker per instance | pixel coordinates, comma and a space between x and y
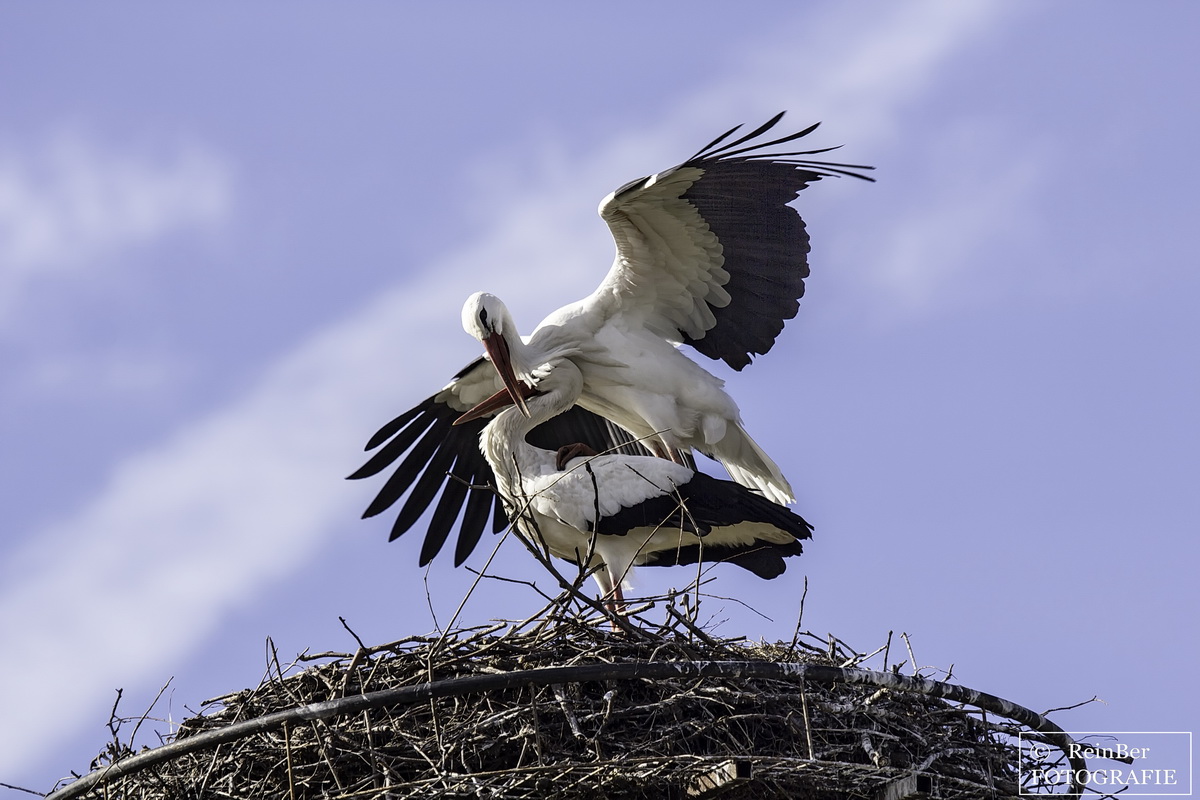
483, 316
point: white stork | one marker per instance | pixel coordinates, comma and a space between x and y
615, 511
709, 254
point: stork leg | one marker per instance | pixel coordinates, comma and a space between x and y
659, 449
614, 601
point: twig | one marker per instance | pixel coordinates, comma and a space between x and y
287, 747
1094, 699
799, 618
584, 673
429, 599
350, 631
912, 658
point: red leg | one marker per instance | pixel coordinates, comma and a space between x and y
615, 602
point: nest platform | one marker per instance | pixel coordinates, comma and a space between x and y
563, 706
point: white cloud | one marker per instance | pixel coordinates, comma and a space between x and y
142, 375
857, 75
857, 80
73, 201
939, 250
260, 479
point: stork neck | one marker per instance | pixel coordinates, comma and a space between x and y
504, 446
519, 355
503, 440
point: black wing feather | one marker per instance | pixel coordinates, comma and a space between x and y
743, 194
764, 560
425, 490
390, 429
710, 150
705, 504
480, 503
445, 514
417, 422
745, 203
414, 466
432, 456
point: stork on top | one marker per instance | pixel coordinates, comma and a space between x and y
609, 512
709, 255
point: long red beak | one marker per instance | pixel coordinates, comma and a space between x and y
497, 350
499, 400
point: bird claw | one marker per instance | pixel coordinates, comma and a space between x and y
570, 451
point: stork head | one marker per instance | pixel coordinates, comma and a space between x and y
485, 315
486, 318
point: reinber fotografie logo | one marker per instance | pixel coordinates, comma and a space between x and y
1133, 763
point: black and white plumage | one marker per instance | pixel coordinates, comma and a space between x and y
616, 511
441, 457
709, 255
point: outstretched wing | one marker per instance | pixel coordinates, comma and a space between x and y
432, 456
709, 253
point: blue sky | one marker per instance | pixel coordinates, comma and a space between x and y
235, 239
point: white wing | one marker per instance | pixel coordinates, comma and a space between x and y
608, 484
709, 253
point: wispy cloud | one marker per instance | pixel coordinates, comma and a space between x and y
71, 201
935, 252
858, 79
857, 75
261, 478
140, 376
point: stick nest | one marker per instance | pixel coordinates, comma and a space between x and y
632, 738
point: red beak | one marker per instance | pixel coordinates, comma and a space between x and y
499, 400
497, 350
